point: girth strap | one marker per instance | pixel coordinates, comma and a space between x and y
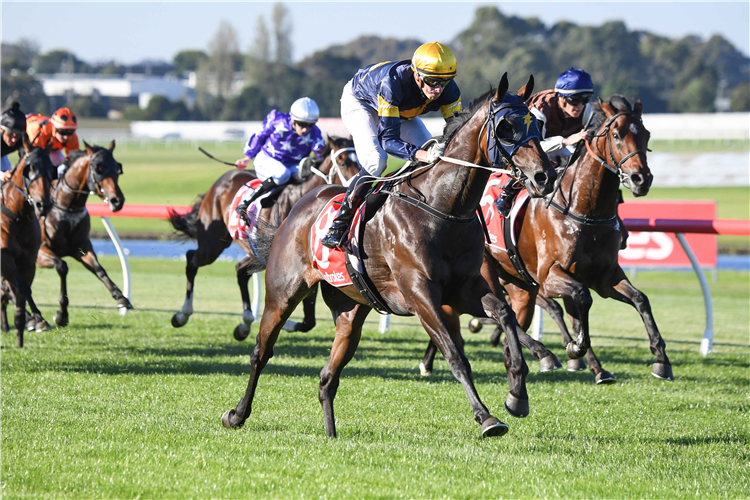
513, 255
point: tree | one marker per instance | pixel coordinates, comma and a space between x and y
188, 60
24, 88
282, 29
221, 59
19, 55
741, 98
60, 61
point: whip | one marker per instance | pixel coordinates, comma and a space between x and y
214, 158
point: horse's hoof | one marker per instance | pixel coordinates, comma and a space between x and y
576, 365
517, 407
475, 326
42, 326
30, 325
289, 326
61, 318
226, 420
663, 371
549, 364
179, 319
241, 332
424, 371
574, 351
124, 303
493, 427
605, 378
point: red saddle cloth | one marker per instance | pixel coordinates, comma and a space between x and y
331, 264
494, 220
238, 228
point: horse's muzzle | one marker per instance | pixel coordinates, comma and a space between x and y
116, 203
640, 183
542, 183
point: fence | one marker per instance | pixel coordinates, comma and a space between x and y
677, 226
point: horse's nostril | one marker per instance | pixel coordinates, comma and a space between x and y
540, 178
636, 179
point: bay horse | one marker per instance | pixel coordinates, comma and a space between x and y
66, 228
423, 256
25, 198
208, 220
573, 246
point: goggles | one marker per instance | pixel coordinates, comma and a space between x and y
576, 100
305, 124
65, 131
434, 83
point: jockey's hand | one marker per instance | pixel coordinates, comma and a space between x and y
575, 138
242, 163
5, 176
433, 155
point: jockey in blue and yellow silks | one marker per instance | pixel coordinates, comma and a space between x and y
380, 107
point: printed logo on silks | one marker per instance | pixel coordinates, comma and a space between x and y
238, 228
493, 219
331, 264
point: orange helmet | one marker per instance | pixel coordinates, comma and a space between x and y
64, 119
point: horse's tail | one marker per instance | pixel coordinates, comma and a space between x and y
187, 224
261, 240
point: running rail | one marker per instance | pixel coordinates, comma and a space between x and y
738, 227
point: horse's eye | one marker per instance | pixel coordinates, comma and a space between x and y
616, 136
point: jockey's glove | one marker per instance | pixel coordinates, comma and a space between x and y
435, 152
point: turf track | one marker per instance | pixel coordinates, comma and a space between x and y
129, 407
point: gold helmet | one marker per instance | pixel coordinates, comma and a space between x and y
434, 60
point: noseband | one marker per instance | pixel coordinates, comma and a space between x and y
617, 167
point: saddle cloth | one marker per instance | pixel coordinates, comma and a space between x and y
238, 228
331, 264
494, 220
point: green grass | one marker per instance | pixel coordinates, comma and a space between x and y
126, 407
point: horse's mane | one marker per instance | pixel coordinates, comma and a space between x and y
618, 102
458, 120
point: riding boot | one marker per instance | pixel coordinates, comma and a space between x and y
505, 201
336, 236
265, 187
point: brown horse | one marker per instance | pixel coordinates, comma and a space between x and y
421, 255
25, 197
207, 224
66, 228
574, 245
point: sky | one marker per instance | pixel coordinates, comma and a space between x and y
131, 32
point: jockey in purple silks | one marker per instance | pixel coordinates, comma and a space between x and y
281, 147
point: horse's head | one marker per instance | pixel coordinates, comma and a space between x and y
514, 139
37, 168
104, 172
619, 141
344, 162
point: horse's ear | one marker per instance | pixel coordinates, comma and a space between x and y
26, 144
638, 108
112, 145
88, 148
527, 90
502, 89
606, 108
330, 142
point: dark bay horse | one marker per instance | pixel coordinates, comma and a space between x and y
421, 260
207, 224
66, 228
573, 246
25, 198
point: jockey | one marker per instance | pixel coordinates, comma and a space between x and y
380, 108
563, 113
279, 149
60, 129
13, 125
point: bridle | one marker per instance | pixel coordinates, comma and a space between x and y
93, 180
335, 168
617, 167
25, 192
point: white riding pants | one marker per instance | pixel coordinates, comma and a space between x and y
362, 123
266, 167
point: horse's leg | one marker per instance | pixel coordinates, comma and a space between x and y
348, 333
288, 290
618, 287
308, 307
242, 330
87, 257
47, 259
4, 299
523, 302
19, 318
560, 284
425, 367
427, 300
210, 246
557, 314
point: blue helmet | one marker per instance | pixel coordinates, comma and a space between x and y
574, 81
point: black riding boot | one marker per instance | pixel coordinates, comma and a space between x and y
265, 187
336, 235
505, 200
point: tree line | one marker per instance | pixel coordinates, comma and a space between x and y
668, 75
